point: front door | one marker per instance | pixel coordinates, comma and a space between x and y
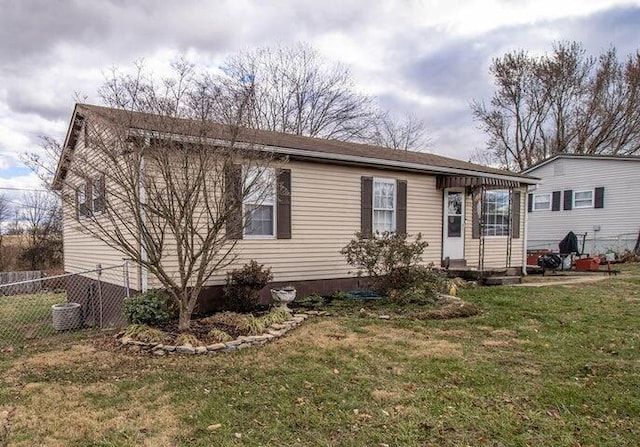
453, 225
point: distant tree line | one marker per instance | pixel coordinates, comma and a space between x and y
30, 232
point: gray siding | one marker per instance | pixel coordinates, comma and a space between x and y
618, 222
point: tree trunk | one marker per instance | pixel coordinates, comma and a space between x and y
188, 300
184, 320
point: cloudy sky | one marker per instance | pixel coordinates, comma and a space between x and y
429, 58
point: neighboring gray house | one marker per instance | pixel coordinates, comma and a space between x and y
594, 194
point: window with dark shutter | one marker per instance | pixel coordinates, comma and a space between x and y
599, 200
555, 200
283, 225
366, 206
233, 201
568, 199
529, 203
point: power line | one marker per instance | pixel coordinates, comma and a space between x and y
9, 188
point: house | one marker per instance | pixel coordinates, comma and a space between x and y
592, 195
470, 215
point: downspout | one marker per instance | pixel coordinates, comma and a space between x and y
142, 193
526, 226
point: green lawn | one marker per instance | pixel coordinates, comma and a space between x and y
27, 317
557, 366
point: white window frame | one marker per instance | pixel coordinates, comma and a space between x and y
509, 215
591, 204
272, 202
394, 210
537, 208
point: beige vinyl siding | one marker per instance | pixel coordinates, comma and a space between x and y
495, 247
325, 214
83, 251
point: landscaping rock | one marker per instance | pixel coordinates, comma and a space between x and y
169, 348
384, 317
186, 349
159, 352
201, 350
216, 347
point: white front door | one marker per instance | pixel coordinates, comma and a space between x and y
453, 225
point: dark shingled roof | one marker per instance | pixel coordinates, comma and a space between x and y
303, 146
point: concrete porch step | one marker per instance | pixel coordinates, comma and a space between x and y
501, 280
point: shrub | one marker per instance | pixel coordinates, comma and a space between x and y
242, 292
390, 260
187, 339
219, 336
144, 333
152, 307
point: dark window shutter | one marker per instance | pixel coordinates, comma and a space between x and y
401, 207
475, 216
555, 200
233, 201
283, 226
599, 199
366, 206
515, 215
88, 200
98, 204
530, 203
78, 207
568, 199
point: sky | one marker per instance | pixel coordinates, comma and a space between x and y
429, 58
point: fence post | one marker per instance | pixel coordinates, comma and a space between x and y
125, 277
99, 269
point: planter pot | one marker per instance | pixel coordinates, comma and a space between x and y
66, 316
284, 296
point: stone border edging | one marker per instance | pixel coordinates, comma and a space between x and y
274, 331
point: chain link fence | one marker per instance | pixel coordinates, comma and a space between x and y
41, 308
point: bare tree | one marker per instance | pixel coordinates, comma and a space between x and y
42, 218
292, 89
408, 133
164, 190
564, 102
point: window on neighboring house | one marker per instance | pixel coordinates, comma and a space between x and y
81, 201
496, 213
259, 202
583, 199
384, 205
541, 202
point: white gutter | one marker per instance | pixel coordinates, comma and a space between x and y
342, 157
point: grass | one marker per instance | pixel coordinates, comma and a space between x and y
26, 317
540, 366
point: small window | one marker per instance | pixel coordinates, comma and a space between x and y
384, 205
496, 213
541, 202
583, 199
259, 202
